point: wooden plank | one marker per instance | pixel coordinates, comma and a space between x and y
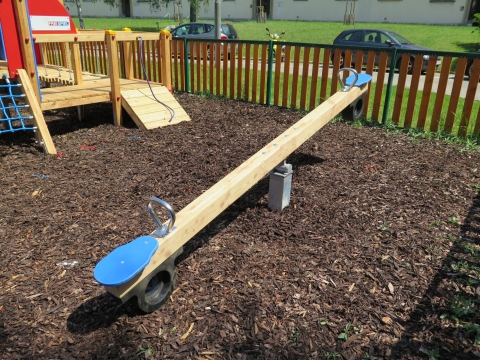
255, 73
277, 76
359, 61
232, 70
225, 68
240, 72
198, 63
315, 67
305, 71
263, 73
26, 43
176, 79
211, 67
412, 96
336, 68
325, 78
191, 50
248, 48
112, 49
200, 212
441, 89
286, 76
369, 70
469, 98
182, 65
31, 100
205, 66
455, 95
296, 70
217, 67
60, 104
402, 77
377, 100
427, 91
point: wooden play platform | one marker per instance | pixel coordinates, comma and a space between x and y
136, 97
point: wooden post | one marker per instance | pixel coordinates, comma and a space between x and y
166, 49
115, 95
26, 43
43, 133
76, 63
128, 56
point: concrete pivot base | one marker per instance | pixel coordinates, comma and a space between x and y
280, 187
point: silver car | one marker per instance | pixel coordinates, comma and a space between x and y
205, 30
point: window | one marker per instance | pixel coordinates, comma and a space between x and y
355, 36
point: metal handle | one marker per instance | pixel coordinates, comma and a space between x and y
346, 88
165, 228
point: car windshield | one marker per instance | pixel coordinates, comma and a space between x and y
399, 38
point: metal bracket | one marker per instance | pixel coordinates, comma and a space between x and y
162, 229
346, 88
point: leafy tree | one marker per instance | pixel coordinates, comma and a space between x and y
155, 5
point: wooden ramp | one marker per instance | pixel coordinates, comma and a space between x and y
147, 112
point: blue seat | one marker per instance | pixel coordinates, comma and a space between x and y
362, 79
126, 261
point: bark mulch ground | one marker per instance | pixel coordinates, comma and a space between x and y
374, 258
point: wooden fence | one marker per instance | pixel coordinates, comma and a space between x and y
409, 88
411, 93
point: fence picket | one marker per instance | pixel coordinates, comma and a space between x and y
314, 85
248, 49
278, 72
455, 95
377, 100
263, 73
232, 70
369, 70
225, 68
402, 77
240, 71
286, 76
255, 73
337, 56
205, 65
469, 98
427, 91
296, 67
441, 89
306, 66
412, 96
325, 79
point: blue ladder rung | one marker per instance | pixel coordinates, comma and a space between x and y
126, 261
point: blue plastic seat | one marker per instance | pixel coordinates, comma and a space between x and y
362, 79
126, 261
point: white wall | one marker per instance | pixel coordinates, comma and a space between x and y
394, 11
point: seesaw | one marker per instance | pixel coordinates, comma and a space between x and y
144, 268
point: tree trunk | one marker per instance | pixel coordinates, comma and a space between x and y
193, 10
80, 16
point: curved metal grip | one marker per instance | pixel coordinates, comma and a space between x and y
171, 213
345, 87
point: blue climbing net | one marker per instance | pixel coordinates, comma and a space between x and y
11, 117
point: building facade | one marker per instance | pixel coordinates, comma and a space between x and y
448, 12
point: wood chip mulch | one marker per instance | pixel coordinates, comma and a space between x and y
362, 264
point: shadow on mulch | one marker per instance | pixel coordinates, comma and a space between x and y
424, 318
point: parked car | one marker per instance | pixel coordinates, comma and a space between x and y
468, 69
205, 30
381, 39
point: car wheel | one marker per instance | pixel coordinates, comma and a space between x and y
409, 67
342, 60
468, 71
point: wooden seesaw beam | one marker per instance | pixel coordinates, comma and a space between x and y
199, 213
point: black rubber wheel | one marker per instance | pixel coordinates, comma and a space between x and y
354, 111
157, 290
409, 67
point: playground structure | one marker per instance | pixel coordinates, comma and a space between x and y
48, 48
144, 268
